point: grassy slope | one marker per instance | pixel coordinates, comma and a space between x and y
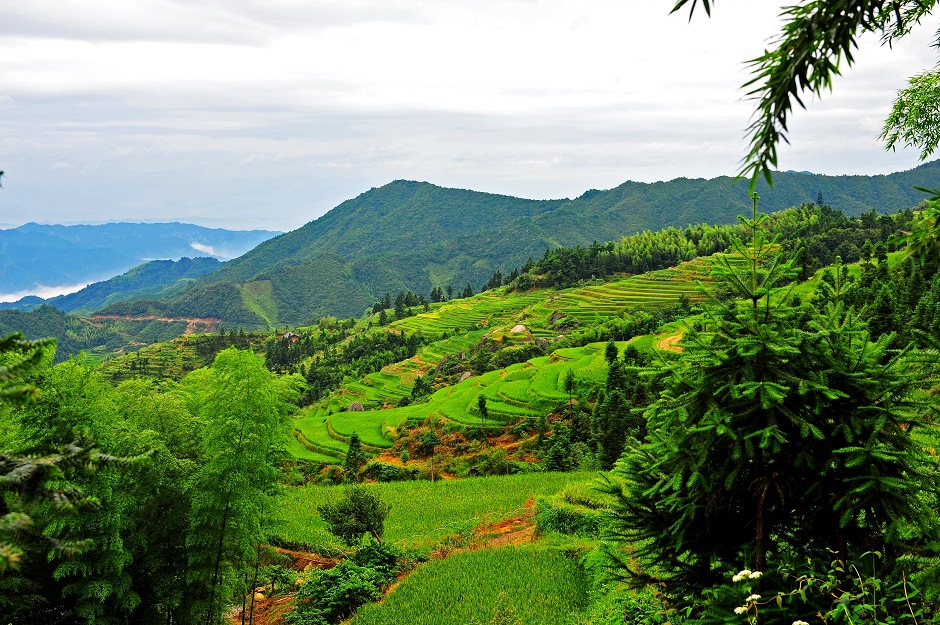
541, 587
458, 506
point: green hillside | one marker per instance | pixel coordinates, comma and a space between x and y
158, 278
98, 337
417, 236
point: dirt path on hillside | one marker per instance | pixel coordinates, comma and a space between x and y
193, 324
671, 343
514, 531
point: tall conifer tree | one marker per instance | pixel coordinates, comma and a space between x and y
773, 436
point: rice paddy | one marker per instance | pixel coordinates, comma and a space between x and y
538, 586
521, 391
425, 513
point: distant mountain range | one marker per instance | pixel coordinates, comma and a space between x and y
415, 236
34, 257
156, 279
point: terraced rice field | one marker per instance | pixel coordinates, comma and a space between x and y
481, 311
523, 391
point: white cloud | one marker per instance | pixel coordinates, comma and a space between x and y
44, 292
268, 113
205, 249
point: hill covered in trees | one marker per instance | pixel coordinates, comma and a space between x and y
417, 236
152, 279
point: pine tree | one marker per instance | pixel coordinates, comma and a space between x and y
773, 435
355, 458
569, 384
559, 454
611, 425
611, 353
481, 407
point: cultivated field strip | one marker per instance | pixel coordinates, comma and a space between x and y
545, 586
459, 506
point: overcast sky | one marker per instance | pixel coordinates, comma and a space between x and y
267, 113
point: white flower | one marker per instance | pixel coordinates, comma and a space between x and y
742, 609
800, 623
742, 575
752, 598
755, 575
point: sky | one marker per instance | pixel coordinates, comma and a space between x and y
250, 114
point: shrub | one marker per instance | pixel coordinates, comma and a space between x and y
380, 557
428, 442
332, 474
493, 462
333, 595
564, 518
359, 512
381, 472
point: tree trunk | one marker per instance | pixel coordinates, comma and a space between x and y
254, 584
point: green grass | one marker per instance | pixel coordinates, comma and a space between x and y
258, 297
298, 450
424, 513
541, 586
367, 424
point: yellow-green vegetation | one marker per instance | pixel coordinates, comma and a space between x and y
425, 513
536, 586
258, 297
524, 390
171, 360
535, 309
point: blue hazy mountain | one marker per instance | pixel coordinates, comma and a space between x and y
36, 257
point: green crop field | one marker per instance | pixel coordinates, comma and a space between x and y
368, 425
541, 587
526, 390
458, 506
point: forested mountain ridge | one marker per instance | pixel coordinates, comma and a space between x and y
812, 235
417, 236
155, 278
636, 206
405, 217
